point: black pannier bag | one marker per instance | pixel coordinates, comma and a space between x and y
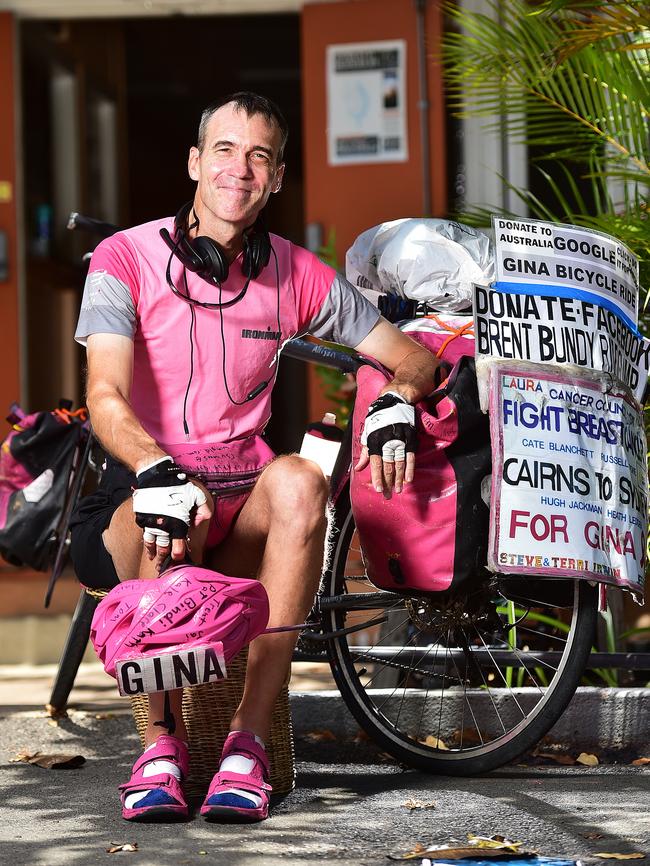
36, 462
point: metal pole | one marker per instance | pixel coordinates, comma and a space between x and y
504, 149
72, 654
423, 106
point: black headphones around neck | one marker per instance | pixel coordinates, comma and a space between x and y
205, 257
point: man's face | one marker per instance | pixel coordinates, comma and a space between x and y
238, 167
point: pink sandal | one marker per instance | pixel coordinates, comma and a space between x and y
220, 802
164, 799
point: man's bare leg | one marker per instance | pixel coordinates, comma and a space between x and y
282, 525
123, 540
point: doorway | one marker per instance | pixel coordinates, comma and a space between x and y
110, 109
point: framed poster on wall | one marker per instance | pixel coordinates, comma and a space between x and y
366, 102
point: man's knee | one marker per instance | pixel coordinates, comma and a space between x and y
297, 490
122, 529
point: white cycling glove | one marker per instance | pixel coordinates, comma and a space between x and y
162, 501
389, 428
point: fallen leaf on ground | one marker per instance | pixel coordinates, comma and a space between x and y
592, 835
122, 846
55, 712
436, 743
385, 758
489, 846
557, 757
417, 851
499, 842
635, 856
320, 736
641, 762
418, 804
468, 737
50, 762
587, 760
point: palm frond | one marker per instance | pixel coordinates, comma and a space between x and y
520, 63
622, 25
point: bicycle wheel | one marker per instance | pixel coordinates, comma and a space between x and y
459, 684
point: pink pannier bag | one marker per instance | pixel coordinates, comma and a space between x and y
433, 535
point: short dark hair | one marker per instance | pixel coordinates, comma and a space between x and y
252, 104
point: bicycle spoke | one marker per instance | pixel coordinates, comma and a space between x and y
442, 691
521, 658
383, 703
469, 705
393, 662
542, 634
489, 691
505, 682
424, 702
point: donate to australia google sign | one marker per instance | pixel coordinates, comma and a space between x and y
569, 490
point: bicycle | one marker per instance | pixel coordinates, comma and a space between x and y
459, 682
456, 683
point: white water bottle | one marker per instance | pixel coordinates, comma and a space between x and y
321, 443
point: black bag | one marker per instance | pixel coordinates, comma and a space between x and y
36, 461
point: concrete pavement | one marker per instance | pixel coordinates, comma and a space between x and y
349, 803
348, 806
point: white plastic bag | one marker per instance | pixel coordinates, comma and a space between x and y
430, 260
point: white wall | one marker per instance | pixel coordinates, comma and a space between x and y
489, 156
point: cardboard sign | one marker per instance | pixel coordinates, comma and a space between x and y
569, 487
543, 258
169, 671
560, 331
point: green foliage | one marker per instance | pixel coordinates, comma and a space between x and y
337, 387
570, 79
608, 677
328, 252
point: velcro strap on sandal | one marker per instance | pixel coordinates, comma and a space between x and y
238, 744
145, 783
239, 780
167, 748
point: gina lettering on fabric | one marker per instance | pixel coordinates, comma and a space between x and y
168, 671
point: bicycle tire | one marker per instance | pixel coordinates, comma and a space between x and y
444, 754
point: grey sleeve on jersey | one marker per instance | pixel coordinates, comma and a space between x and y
346, 317
106, 308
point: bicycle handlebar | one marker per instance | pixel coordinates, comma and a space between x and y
316, 353
79, 221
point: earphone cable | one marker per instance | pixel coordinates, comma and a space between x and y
193, 301
278, 346
223, 355
189, 381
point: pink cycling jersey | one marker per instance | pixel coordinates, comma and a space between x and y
126, 293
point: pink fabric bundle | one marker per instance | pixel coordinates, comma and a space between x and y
185, 608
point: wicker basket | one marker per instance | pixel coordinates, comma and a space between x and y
207, 711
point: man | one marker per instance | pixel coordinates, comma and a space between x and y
182, 347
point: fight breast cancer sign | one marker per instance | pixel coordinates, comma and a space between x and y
569, 487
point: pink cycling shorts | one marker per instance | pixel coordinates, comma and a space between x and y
226, 509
